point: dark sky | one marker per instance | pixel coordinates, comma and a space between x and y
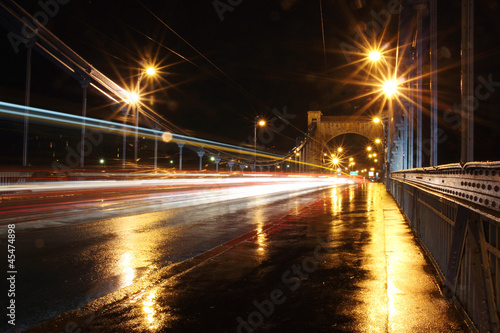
263, 55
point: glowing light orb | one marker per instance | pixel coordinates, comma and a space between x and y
374, 56
390, 87
133, 97
150, 71
166, 137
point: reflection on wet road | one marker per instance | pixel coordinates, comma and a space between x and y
344, 261
73, 250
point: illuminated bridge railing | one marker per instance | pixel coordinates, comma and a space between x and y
454, 212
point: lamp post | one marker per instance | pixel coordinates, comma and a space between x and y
261, 123
124, 146
150, 71
157, 128
385, 147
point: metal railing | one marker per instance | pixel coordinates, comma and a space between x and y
460, 233
14, 177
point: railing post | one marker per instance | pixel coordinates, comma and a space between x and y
486, 308
456, 251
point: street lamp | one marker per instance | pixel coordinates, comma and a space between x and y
374, 55
135, 99
390, 87
261, 123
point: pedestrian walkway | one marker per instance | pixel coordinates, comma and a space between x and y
347, 263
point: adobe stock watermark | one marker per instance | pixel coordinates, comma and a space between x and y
277, 124
223, 6
373, 28
483, 91
93, 138
49, 9
292, 278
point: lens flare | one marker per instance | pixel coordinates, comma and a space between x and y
166, 137
390, 87
374, 56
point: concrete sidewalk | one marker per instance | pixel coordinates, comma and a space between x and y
347, 263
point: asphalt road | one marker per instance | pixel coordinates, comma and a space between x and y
343, 260
72, 249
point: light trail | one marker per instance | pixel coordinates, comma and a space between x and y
119, 128
297, 181
77, 202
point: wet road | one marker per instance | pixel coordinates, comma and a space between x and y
73, 249
345, 261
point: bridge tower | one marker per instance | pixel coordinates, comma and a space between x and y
329, 127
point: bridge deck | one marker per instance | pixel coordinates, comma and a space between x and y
347, 263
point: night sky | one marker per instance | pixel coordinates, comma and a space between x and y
247, 59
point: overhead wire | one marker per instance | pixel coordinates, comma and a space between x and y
232, 81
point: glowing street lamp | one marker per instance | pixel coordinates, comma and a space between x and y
390, 87
260, 123
133, 98
374, 56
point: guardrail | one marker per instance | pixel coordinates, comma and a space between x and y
454, 212
14, 177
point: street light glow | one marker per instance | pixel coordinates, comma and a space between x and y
150, 71
390, 87
374, 56
133, 97
377, 141
376, 120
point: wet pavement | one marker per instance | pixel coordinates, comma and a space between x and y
346, 262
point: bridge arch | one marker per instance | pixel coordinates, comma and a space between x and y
330, 127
